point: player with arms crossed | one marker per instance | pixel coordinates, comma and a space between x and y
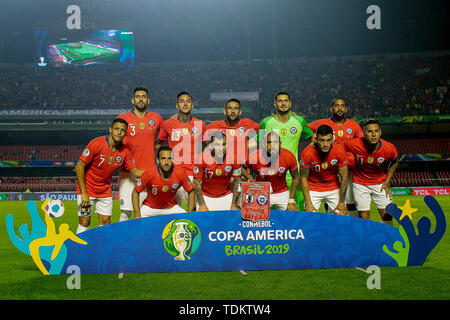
373, 157
320, 165
100, 159
212, 178
271, 163
184, 134
143, 126
290, 128
162, 183
343, 129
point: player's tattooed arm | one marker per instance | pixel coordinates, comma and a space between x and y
135, 202
304, 173
341, 208
80, 170
294, 186
386, 186
191, 201
199, 195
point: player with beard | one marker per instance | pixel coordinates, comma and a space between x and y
143, 127
343, 129
163, 183
323, 172
290, 128
375, 163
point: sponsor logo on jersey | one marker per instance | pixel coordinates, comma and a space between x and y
370, 160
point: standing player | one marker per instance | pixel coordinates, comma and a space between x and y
163, 183
320, 165
100, 159
240, 132
143, 126
373, 158
184, 134
290, 128
343, 129
212, 177
271, 163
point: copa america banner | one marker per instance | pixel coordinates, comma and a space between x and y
223, 241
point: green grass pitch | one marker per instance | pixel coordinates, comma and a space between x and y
21, 279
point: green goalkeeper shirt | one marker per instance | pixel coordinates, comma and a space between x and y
290, 132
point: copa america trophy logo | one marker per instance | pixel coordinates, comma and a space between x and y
181, 238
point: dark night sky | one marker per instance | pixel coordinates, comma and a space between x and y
199, 30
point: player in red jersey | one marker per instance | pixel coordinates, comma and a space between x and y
100, 159
212, 177
241, 132
271, 163
143, 126
162, 182
184, 135
320, 165
343, 129
373, 157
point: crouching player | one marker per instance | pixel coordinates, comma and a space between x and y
373, 158
271, 164
162, 183
320, 166
212, 178
100, 159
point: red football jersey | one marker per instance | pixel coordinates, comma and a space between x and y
236, 136
275, 174
215, 176
342, 132
185, 139
101, 163
370, 168
161, 193
141, 135
323, 171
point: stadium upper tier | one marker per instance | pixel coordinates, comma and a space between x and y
73, 152
373, 88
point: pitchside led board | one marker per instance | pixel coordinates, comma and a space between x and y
254, 239
77, 48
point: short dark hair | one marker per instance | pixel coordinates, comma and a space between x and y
163, 148
233, 100
324, 130
370, 121
338, 98
183, 93
282, 93
120, 120
140, 89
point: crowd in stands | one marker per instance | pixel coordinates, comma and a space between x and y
387, 87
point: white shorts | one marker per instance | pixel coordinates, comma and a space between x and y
126, 185
147, 211
182, 194
279, 200
330, 197
220, 203
363, 195
103, 206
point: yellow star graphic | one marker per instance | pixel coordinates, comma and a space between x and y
407, 210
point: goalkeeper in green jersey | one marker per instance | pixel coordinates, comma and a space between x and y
290, 127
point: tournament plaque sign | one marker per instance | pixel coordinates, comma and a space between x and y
255, 201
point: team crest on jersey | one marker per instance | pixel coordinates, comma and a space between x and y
333, 162
349, 130
242, 129
195, 170
283, 132
324, 165
370, 160
175, 185
165, 188
86, 152
138, 182
281, 169
110, 160
194, 129
142, 125
185, 131
380, 160
317, 168
228, 168
151, 123
118, 159
340, 133
293, 130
